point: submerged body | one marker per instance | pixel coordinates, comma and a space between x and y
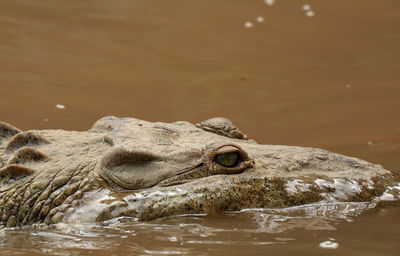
130, 167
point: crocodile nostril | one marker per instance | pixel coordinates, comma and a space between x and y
121, 156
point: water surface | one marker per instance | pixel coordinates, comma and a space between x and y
310, 73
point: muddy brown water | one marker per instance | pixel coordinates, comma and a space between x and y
310, 73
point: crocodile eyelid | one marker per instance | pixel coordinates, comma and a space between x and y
227, 149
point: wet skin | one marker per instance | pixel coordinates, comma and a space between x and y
130, 167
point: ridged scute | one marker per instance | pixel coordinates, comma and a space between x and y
7, 130
14, 171
27, 154
25, 139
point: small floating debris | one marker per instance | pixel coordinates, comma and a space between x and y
248, 24
308, 10
60, 106
260, 19
173, 239
269, 2
348, 85
370, 143
329, 245
46, 120
284, 239
310, 13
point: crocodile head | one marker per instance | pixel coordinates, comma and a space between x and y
130, 167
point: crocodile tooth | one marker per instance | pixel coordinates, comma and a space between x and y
14, 171
27, 154
25, 139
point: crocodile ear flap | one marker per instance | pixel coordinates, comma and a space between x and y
222, 126
121, 156
124, 169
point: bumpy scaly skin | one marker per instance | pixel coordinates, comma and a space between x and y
130, 167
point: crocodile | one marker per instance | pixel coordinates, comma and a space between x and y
127, 167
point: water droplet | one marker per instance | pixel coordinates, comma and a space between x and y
173, 239
329, 245
260, 19
248, 24
60, 106
310, 13
269, 2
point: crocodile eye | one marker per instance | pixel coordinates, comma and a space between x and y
229, 159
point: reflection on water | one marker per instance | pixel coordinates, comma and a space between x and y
329, 244
257, 230
309, 73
